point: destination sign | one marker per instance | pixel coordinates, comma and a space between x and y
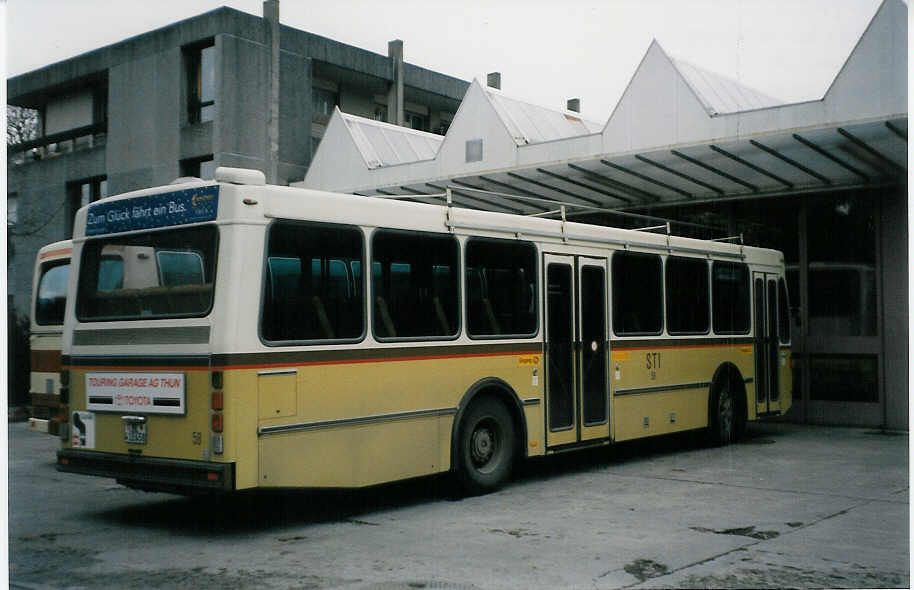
162, 210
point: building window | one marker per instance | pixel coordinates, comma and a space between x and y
200, 65
474, 150
323, 101
12, 209
203, 167
443, 126
82, 192
842, 267
380, 113
843, 378
415, 121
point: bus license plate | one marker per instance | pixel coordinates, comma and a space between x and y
135, 431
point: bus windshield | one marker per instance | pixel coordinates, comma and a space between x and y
153, 275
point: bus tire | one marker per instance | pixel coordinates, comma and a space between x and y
724, 416
486, 447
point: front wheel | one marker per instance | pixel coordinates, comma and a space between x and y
485, 452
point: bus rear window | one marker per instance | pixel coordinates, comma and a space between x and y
154, 275
52, 294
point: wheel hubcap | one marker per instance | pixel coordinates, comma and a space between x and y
483, 444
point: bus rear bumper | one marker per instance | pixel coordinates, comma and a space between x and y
150, 473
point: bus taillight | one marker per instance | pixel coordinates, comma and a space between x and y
64, 387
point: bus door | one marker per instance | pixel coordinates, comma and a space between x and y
767, 387
576, 349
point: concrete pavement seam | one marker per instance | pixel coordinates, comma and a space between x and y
739, 548
748, 487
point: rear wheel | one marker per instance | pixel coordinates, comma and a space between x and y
722, 423
485, 452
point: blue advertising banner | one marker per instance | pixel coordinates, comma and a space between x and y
166, 209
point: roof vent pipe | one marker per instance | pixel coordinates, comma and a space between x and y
574, 104
493, 80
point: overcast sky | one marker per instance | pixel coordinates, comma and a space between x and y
547, 51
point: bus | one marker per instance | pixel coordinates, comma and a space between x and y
282, 337
49, 293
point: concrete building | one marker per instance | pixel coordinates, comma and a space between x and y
221, 89
825, 181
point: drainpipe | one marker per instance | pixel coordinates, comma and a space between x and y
271, 18
395, 112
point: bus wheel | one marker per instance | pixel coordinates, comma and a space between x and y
485, 453
722, 423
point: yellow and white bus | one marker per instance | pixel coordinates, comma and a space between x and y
49, 293
229, 335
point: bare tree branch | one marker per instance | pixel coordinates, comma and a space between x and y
21, 124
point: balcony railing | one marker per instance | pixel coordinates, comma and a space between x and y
53, 145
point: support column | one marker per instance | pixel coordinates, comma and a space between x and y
395, 112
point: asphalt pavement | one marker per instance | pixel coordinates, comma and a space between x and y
789, 506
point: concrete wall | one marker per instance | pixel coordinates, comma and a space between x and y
144, 118
242, 87
354, 103
41, 187
294, 116
69, 111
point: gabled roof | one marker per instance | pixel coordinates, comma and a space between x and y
678, 134
383, 144
720, 94
529, 123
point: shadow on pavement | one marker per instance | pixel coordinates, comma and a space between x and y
260, 510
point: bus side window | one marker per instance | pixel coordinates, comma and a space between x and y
501, 287
414, 285
783, 312
637, 294
311, 291
730, 295
688, 297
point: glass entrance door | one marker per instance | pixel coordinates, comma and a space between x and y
767, 384
577, 406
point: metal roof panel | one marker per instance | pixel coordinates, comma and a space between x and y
720, 94
529, 123
383, 144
